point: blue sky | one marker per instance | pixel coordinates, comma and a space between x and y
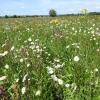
41, 7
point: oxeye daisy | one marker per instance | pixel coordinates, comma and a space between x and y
76, 59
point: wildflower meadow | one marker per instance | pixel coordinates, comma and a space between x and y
50, 58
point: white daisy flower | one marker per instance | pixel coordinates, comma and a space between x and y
7, 66
50, 70
38, 92
96, 70
54, 77
76, 58
24, 78
3, 78
17, 80
67, 85
29, 39
60, 82
21, 60
12, 48
28, 65
23, 90
4, 54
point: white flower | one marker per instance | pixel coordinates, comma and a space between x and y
12, 48
29, 79
44, 47
28, 65
56, 60
32, 47
74, 86
3, 78
67, 85
3, 44
17, 80
4, 54
73, 28
97, 43
38, 56
76, 58
67, 47
32, 43
98, 50
96, 70
38, 93
54, 77
37, 47
15, 56
58, 66
60, 82
29, 39
36, 40
7, 66
93, 24
27, 29
21, 60
77, 46
94, 38
25, 41
24, 78
23, 90
92, 32
49, 54
50, 70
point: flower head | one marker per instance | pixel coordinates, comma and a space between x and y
7, 66
60, 82
76, 59
23, 90
3, 78
38, 92
50, 70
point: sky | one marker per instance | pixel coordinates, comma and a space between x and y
42, 7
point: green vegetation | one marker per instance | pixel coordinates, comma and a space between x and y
50, 58
52, 13
6, 16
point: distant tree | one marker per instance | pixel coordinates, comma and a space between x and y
94, 13
6, 16
52, 13
14, 16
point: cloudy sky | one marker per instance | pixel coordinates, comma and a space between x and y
41, 7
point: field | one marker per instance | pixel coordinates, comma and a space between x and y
44, 58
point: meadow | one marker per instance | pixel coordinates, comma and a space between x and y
44, 58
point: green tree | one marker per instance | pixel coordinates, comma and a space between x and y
14, 16
52, 13
6, 16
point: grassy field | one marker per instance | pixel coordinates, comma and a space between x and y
50, 58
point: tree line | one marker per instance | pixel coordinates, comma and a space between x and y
53, 13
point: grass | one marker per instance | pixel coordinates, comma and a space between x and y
50, 58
